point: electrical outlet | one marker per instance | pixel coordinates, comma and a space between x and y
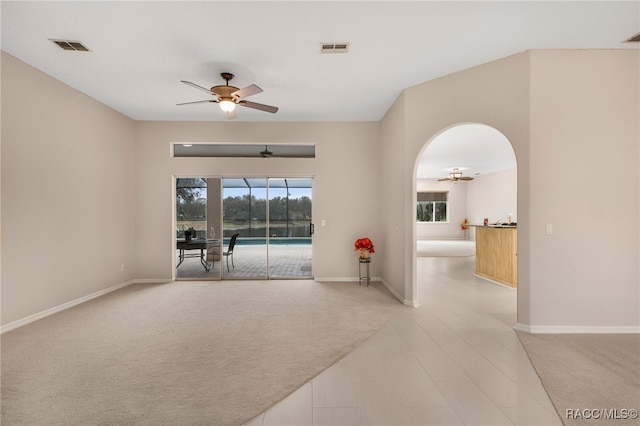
548, 229
122, 267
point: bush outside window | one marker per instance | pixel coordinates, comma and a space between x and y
432, 207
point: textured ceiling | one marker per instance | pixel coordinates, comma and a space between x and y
139, 51
474, 149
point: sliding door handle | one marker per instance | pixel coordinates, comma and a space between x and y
311, 229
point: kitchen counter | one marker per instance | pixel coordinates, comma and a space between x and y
496, 253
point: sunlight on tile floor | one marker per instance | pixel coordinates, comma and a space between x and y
455, 360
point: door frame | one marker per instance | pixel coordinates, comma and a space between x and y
222, 276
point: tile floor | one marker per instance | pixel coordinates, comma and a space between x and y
455, 360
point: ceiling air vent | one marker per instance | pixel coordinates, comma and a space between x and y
70, 45
334, 47
634, 39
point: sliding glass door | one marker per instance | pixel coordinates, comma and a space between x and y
198, 226
243, 228
273, 239
244, 206
290, 228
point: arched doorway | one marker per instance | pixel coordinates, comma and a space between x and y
465, 173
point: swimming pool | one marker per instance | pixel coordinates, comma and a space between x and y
245, 241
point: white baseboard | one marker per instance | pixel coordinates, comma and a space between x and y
522, 327
412, 303
335, 279
47, 312
153, 280
576, 329
376, 279
343, 279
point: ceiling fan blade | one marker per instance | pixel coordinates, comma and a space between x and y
465, 178
198, 87
266, 153
261, 107
231, 115
198, 102
443, 179
247, 91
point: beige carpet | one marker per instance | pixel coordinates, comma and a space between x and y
445, 248
588, 372
214, 353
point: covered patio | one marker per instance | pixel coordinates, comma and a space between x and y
250, 260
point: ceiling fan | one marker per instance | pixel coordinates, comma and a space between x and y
455, 176
266, 153
230, 96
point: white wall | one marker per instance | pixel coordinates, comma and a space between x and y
458, 194
585, 137
572, 118
69, 209
345, 193
68, 194
394, 200
493, 196
495, 94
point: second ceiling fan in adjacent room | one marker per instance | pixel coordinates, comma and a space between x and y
455, 176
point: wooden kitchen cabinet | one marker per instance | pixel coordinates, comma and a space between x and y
496, 254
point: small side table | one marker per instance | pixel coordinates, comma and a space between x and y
364, 261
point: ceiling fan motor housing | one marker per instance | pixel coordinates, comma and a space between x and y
224, 91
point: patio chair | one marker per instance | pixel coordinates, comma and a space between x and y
228, 253
213, 253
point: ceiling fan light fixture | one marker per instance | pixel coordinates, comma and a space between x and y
227, 106
456, 175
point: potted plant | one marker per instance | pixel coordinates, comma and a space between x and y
189, 233
364, 247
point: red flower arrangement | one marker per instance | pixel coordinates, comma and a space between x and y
364, 246
465, 224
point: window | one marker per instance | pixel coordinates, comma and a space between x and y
432, 206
